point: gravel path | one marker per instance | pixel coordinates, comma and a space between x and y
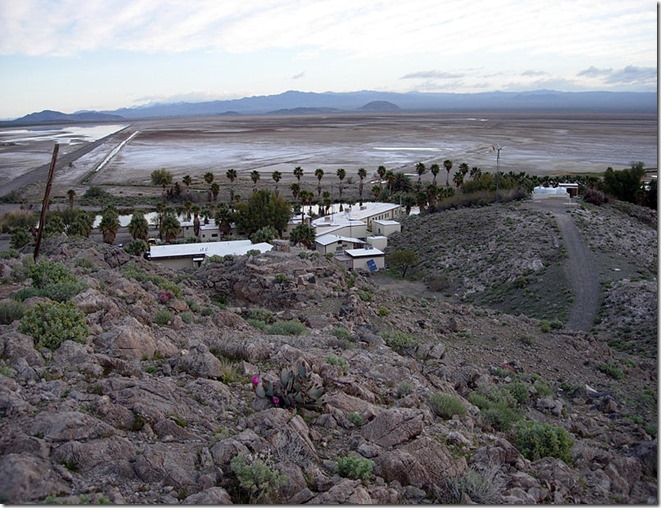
580, 268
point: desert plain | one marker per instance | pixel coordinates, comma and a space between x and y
540, 143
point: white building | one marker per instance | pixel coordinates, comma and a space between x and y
367, 259
336, 244
385, 227
348, 222
192, 255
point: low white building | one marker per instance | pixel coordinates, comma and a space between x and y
325, 244
385, 227
354, 215
192, 255
367, 259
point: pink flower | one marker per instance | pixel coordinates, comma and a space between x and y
255, 380
276, 401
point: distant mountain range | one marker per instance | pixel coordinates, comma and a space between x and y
295, 103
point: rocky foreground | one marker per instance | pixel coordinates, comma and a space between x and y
158, 403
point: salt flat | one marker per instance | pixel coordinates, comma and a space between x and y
538, 143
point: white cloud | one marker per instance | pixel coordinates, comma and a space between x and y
359, 29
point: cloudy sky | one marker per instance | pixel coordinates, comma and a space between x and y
70, 55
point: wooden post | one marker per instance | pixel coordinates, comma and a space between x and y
44, 206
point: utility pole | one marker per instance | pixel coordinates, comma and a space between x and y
44, 205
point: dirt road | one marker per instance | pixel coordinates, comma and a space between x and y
580, 268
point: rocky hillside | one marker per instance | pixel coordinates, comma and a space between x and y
158, 398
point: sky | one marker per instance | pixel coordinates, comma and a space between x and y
72, 55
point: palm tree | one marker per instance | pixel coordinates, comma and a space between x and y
463, 167
341, 174
435, 169
306, 198
381, 171
254, 176
187, 181
223, 219
421, 170
376, 190
187, 206
170, 226
208, 177
319, 173
277, 176
475, 173
295, 189
109, 224
361, 174
298, 173
196, 220
447, 163
458, 179
215, 189
304, 234
71, 195
231, 175
327, 201
138, 227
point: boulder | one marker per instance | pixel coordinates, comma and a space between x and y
26, 479
168, 463
69, 426
394, 426
129, 339
16, 345
345, 492
98, 454
199, 362
211, 496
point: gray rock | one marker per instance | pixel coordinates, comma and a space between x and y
394, 426
169, 463
69, 426
25, 479
210, 496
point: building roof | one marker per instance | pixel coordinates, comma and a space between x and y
387, 222
360, 213
233, 248
364, 253
326, 239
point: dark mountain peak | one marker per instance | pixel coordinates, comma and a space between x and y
50, 116
380, 107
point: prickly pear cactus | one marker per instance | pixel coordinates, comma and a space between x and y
293, 388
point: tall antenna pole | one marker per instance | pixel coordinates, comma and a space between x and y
44, 205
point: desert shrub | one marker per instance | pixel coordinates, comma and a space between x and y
611, 370
399, 341
483, 486
537, 440
10, 311
132, 271
595, 197
356, 468
356, 419
519, 391
163, 317
403, 389
256, 479
445, 405
48, 272
382, 311
498, 407
20, 237
260, 315
257, 323
338, 361
292, 327
9, 254
253, 252
545, 326
341, 333
137, 247
186, 317
51, 323
438, 283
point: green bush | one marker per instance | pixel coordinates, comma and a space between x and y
445, 405
537, 440
257, 480
137, 247
356, 419
399, 341
51, 323
163, 317
48, 272
336, 360
260, 315
257, 323
341, 333
11, 311
293, 327
356, 468
519, 391
611, 370
498, 407
186, 317
403, 389
382, 311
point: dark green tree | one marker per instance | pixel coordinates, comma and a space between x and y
109, 224
303, 234
170, 226
264, 208
401, 260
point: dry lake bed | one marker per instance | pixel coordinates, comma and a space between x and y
124, 154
